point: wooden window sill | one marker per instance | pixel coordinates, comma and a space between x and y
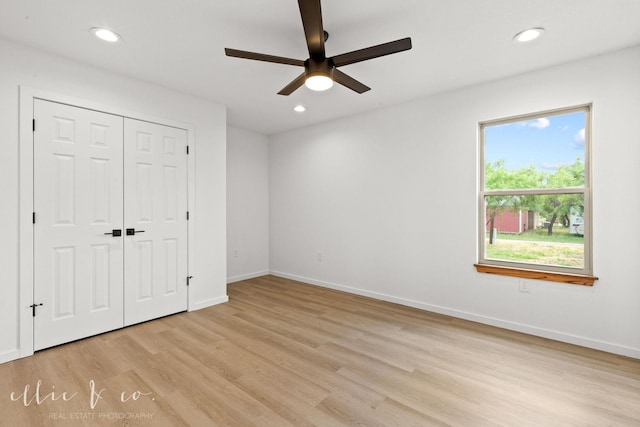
574, 279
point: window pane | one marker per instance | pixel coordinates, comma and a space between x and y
536, 229
544, 152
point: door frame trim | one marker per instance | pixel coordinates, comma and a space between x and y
28, 95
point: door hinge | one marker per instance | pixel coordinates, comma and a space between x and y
33, 218
187, 149
34, 125
189, 279
187, 215
33, 308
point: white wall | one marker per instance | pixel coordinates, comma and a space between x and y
389, 200
24, 66
247, 205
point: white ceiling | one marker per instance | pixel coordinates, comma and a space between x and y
180, 44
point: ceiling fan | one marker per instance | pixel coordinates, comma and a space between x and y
319, 71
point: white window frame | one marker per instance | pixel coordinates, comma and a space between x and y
512, 268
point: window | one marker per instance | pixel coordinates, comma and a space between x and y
535, 197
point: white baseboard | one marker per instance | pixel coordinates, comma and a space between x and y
247, 276
208, 303
8, 356
505, 324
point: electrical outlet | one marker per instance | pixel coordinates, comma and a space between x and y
524, 286
320, 256
235, 253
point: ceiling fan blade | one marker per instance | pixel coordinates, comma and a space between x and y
349, 82
288, 89
311, 14
262, 57
372, 52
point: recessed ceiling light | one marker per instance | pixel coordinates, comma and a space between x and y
528, 35
299, 108
106, 35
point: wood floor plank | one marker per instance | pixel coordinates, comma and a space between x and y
281, 352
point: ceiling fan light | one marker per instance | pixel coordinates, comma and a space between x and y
318, 82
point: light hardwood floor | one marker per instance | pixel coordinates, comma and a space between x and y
285, 353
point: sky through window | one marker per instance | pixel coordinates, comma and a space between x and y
546, 142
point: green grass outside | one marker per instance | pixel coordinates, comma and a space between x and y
537, 247
560, 235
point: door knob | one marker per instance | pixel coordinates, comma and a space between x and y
114, 233
133, 231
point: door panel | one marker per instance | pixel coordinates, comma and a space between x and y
155, 206
78, 197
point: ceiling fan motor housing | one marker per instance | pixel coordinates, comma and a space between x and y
313, 67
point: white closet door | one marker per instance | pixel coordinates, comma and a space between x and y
78, 195
155, 175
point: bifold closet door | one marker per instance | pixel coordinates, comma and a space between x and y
110, 231
78, 203
155, 203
